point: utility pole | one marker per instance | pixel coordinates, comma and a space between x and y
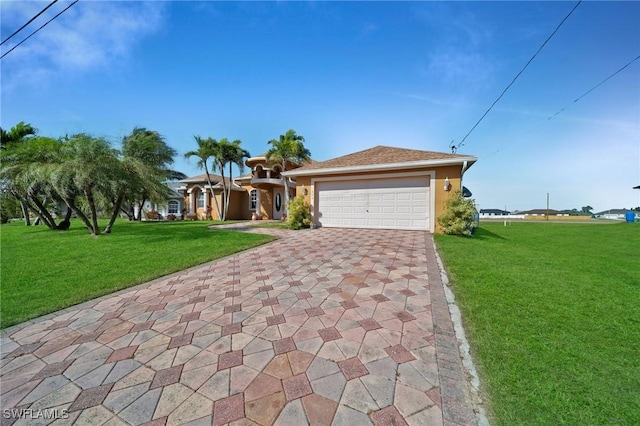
547, 206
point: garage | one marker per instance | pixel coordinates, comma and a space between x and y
399, 203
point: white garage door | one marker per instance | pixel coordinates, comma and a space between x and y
400, 203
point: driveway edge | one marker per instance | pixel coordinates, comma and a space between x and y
459, 383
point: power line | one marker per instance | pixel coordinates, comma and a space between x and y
596, 86
30, 21
41, 27
454, 147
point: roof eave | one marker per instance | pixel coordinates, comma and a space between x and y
385, 166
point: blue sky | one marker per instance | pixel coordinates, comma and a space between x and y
350, 76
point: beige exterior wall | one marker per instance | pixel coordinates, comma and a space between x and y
238, 205
437, 184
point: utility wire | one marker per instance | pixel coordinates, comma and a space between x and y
454, 147
30, 21
596, 86
41, 27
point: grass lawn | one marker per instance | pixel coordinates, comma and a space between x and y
43, 270
276, 225
552, 312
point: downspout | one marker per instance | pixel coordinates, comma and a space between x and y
465, 166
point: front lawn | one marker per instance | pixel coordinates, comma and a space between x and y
43, 270
553, 315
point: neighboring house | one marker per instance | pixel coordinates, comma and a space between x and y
381, 187
172, 205
493, 213
615, 214
542, 212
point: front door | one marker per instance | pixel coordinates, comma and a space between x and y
278, 203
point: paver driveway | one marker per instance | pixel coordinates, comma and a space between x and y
348, 327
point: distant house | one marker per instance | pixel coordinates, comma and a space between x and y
615, 214
493, 212
543, 212
172, 205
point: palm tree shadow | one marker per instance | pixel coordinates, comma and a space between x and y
483, 234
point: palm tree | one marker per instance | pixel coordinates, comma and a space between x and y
288, 149
24, 175
17, 134
207, 149
15, 137
86, 169
149, 149
234, 154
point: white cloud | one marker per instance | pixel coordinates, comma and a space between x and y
87, 36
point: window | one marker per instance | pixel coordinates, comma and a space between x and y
253, 199
201, 200
174, 207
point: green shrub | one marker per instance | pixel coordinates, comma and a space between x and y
458, 216
299, 215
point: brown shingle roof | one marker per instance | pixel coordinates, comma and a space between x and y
203, 178
381, 155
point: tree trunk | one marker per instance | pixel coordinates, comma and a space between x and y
116, 212
70, 204
94, 212
43, 213
228, 198
206, 170
224, 193
25, 212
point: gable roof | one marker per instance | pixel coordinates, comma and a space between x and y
381, 157
613, 211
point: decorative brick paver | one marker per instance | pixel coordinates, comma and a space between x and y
276, 319
166, 377
229, 360
122, 353
369, 324
284, 345
90, 397
296, 387
328, 334
399, 354
352, 368
321, 327
228, 409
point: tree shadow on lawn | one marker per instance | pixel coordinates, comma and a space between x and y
481, 233
150, 232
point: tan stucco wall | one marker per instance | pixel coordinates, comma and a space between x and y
437, 185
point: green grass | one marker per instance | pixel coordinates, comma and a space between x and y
276, 225
552, 312
43, 270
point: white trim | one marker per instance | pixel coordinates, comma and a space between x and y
432, 190
380, 167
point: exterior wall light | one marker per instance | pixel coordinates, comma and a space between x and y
305, 191
447, 184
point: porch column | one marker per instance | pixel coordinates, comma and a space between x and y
191, 202
258, 211
206, 200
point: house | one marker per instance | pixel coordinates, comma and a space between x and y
172, 205
488, 213
615, 214
259, 194
381, 187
